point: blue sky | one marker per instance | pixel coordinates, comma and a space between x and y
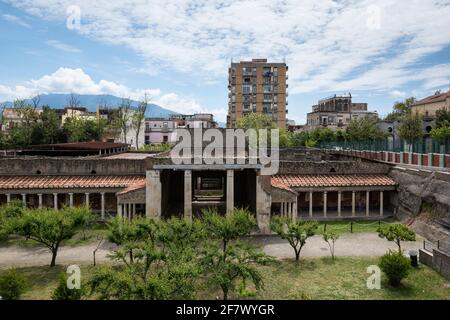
179, 51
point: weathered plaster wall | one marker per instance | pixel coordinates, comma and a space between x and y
73, 166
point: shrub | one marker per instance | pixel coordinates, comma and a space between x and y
12, 285
395, 266
62, 292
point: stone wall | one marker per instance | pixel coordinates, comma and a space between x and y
356, 166
73, 166
437, 260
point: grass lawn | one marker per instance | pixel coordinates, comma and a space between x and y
359, 226
321, 278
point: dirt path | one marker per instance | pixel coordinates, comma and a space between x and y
359, 244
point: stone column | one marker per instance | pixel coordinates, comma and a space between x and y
310, 204
40, 200
24, 200
55, 201
294, 210
71, 200
129, 211
8, 197
230, 191
325, 204
119, 210
367, 203
102, 205
282, 209
125, 210
381, 203
153, 194
188, 195
86, 199
339, 203
353, 203
134, 210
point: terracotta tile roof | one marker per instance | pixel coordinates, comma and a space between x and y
433, 98
134, 187
287, 182
66, 182
89, 145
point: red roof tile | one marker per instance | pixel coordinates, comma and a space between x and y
434, 98
287, 182
134, 187
66, 182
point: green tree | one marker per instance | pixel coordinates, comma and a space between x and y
138, 117
62, 292
164, 263
396, 232
363, 129
441, 133
395, 266
47, 130
12, 285
255, 121
79, 129
50, 227
296, 233
122, 117
225, 259
410, 128
330, 238
443, 118
400, 109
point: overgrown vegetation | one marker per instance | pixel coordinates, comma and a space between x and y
12, 285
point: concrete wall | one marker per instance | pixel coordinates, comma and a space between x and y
437, 260
72, 166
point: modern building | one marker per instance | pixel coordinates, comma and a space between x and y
428, 106
337, 111
10, 117
257, 86
163, 130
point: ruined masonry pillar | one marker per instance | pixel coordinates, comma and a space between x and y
102, 205
381, 203
55, 201
339, 202
310, 204
153, 194
40, 200
24, 200
367, 203
188, 195
325, 204
353, 203
71, 200
230, 191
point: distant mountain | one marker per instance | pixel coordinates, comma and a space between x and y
59, 101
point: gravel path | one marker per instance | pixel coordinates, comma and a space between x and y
358, 244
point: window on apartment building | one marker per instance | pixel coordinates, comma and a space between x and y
246, 88
147, 126
267, 97
233, 98
267, 89
266, 80
246, 106
275, 71
147, 140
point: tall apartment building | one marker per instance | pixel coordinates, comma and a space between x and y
257, 86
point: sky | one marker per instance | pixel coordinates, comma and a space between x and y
178, 52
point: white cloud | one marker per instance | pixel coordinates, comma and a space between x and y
329, 45
66, 80
15, 19
62, 46
397, 94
